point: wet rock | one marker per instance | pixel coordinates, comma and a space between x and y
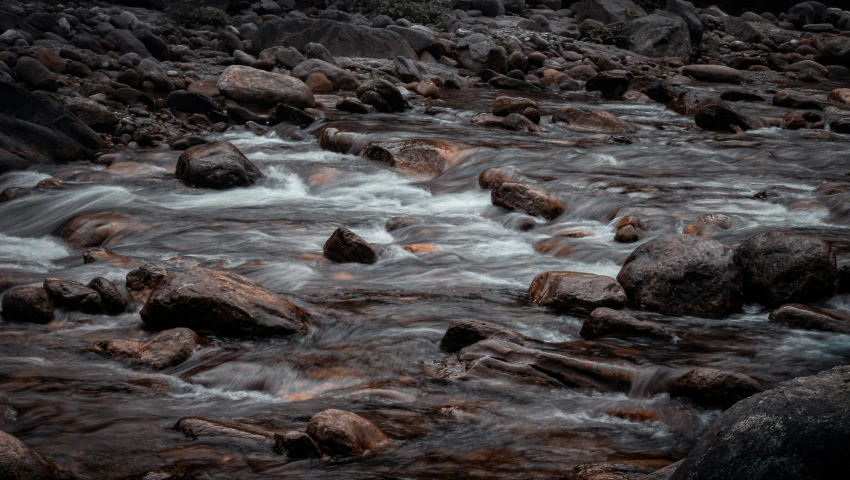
286, 114
27, 304
706, 224
801, 425
606, 471
92, 229
386, 91
714, 388
112, 300
661, 34
504, 106
463, 333
419, 156
93, 114
788, 99
532, 200
297, 445
575, 292
19, 462
840, 96
345, 246
338, 141
784, 268
607, 11
142, 280
397, 223
353, 105
406, 70
149, 71
189, 102
627, 234
594, 121
605, 321
73, 295
683, 275
217, 165
35, 75
797, 315
200, 427
720, 118
502, 81
257, 87
344, 433
612, 84
477, 52
340, 78
221, 303
713, 73
166, 349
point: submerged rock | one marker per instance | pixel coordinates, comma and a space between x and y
714, 388
217, 165
463, 333
345, 246
166, 349
221, 303
344, 433
605, 321
200, 427
796, 315
575, 292
28, 304
594, 121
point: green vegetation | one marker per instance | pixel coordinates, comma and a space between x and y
616, 34
424, 12
194, 13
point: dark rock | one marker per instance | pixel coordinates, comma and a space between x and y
576, 293
406, 70
714, 73
286, 114
35, 75
221, 303
189, 102
605, 321
126, 42
27, 304
504, 106
798, 429
111, 298
344, 433
216, 165
627, 234
51, 60
723, 119
594, 121
689, 14
19, 462
488, 8
397, 223
241, 116
784, 98
606, 471
166, 349
607, 11
508, 83
463, 333
741, 29
98, 117
782, 268
141, 281
150, 71
354, 106
736, 95
340, 78
318, 51
415, 37
532, 200
132, 97
805, 13
387, 91
714, 388
297, 445
612, 84
345, 246
493, 177
154, 44
796, 315
73, 295
661, 34
200, 427
683, 274
252, 86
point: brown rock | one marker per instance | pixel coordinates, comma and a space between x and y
142, 280
627, 234
594, 121
493, 177
73, 295
419, 156
534, 201
200, 427
606, 471
463, 333
319, 83
92, 229
556, 247
504, 106
344, 433
27, 304
796, 315
630, 220
714, 388
714, 73
51, 60
839, 95
257, 87
605, 321
575, 292
217, 165
345, 246
18, 462
111, 298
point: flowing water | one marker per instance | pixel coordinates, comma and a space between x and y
373, 344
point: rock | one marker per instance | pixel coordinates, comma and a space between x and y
345, 246
796, 315
257, 87
92, 229
353, 105
504, 105
477, 52
463, 333
605, 321
606, 471
287, 57
340, 78
798, 429
713, 73
96, 116
221, 303
27, 304
661, 35
683, 275
35, 75
594, 121
319, 83
200, 427
415, 37
723, 119
153, 43
189, 102
835, 51
783, 268
149, 71
392, 99
784, 98
217, 165
612, 84
532, 200
428, 157
741, 30
341, 39
18, 462
406, 70
805, 13
111, 298
607, 11
428, 90
126, 42
166, 349
714, 388
627, 234
576, 293
344, 433
689, 14
488, 8
73, 295
142, 280
51, 60
840, 96
297, 445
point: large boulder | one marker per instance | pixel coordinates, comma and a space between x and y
710, 387
799, 429
19, 462
796, 315
689, 14
607, 11
661, 35
683, 274
27, 304
221, 303
576, 292
257, 87
344, 433
341, 39
784, 268
217, 165
345, 246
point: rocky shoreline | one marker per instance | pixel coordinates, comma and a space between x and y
98, 85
